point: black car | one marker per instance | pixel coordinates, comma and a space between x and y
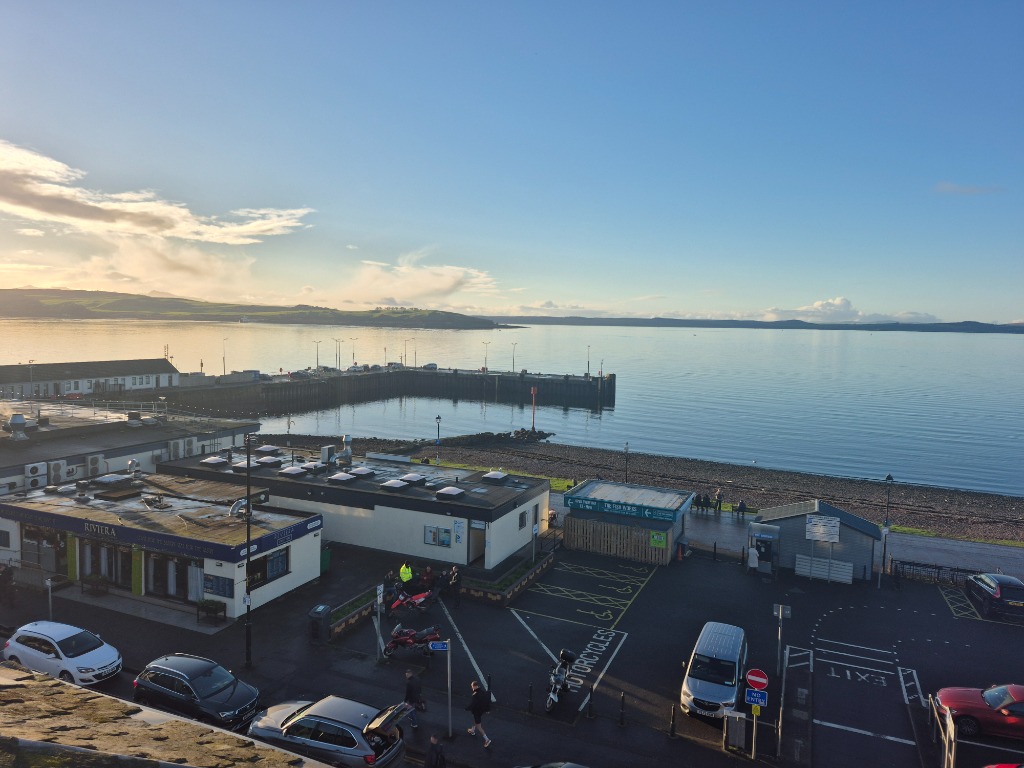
997, 593
198, 688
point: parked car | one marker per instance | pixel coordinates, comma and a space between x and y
60, 650
335, 731
198, 688
998, 710
430, 367
997, 593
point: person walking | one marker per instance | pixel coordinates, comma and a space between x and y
455, 582
434, 758
718, 500
413, 695
479, 705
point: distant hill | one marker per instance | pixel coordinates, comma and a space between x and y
105, 305
665, 322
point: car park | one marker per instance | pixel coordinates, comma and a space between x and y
198, 688
997, 594
334, 730
997, 711
60, 650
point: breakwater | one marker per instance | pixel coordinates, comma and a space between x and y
332, 389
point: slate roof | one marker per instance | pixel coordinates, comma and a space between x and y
97, 369
818, 507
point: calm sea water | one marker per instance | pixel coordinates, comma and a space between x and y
931, 408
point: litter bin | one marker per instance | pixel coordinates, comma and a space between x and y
320, 624
325, 561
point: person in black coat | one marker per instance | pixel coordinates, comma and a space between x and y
413, 694
455, 582
434, 757
479, 704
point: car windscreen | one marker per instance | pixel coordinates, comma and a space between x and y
997, 697
79, 644
713, 670
212, 681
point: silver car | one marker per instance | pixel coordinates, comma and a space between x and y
336, 731
60, 650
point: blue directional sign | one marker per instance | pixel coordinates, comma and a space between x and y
757, 697
442, 645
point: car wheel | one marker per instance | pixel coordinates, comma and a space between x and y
66, 676
388, 650
142, 699
967, 726
15, 659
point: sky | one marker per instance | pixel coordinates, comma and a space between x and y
831, 162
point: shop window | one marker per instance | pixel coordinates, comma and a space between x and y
218, 585
267, 568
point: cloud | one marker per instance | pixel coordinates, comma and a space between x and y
839, 310
30, 232
42, 189
950, 188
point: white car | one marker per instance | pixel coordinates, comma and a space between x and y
59, 650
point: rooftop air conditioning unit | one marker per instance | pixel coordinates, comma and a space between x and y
57, 472
95, 464
36, 470
174, 447
190, 446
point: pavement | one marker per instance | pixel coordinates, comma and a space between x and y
275, 651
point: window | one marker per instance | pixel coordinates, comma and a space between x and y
522, 519
303, 729
218, 585
147, 379
438, 537
5, 537
135, 380
334, 734
76, 386
267, 568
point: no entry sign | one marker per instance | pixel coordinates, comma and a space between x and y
757, 679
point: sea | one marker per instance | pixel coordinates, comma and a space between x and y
936, 409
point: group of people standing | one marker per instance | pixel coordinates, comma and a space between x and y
429, 581
707, 503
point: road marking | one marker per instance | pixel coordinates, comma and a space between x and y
600, 677
911, 684
562, 618
851, 645
533, 634
469, 654
634, 597
598, 573
553, 590
959, 604
851, 655
861, 731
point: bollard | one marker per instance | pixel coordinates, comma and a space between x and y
488, 684
622, 710
679, 553
714, 551
672, 723
529, 700
590, 704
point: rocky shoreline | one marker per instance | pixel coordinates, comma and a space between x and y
943, 512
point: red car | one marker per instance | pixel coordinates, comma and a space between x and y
998, 710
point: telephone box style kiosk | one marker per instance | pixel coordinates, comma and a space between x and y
764, 545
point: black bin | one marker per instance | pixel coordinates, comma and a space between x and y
320, 624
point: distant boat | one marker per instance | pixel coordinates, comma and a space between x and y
244, 319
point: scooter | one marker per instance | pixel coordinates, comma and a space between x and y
411, 639
557, 683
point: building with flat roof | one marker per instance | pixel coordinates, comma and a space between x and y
100, 377
389, 503
170, 537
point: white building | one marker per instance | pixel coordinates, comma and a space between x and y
103, 377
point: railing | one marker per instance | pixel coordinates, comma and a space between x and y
936, 574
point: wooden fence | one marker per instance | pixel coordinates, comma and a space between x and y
627, 542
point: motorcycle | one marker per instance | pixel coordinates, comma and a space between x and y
411, 639
397, 597
557, 683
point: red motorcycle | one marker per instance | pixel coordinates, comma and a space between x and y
398, 597
411, 639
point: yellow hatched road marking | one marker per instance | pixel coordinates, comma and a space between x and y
599, 573
554, 590
959, 603
630, 602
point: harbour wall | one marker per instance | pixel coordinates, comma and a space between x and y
343, 388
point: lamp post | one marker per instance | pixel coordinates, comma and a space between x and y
514, 356
353, 340
486, 344
626, 451
248, 549
588, 361
317, 354
438, 443
337, 353
885, 527
224, 356
31, 379
405, 352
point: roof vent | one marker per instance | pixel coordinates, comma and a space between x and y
341, 478
395, 486
314, 467
214, 461
292, 472
364, 473
414, 479
449, 492
494, 477
270, 461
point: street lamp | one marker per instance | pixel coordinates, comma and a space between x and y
588, 361
337, 352
438, 443
248, 548
224, 356
514, 356
486, 344
405, 352
626, 451
31, 379
885, 526
317, 354
353, 340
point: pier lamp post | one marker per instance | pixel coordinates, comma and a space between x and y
626, 452
31, 379
405, 352
486, 345
353, 340
885, 526
224, 356
438, 443
588, 361
317, 354
514, 356
337, 353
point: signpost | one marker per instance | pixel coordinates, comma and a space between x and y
757, 697
781, 612
444, 646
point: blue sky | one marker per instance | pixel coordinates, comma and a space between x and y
826, 161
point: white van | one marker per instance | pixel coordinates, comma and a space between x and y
716, 668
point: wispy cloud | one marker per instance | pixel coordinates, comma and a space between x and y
29, 232
950, 188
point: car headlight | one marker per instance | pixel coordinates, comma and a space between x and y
226, 715
85, 670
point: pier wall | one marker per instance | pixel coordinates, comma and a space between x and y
328, 391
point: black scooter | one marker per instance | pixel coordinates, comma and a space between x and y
557, 683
